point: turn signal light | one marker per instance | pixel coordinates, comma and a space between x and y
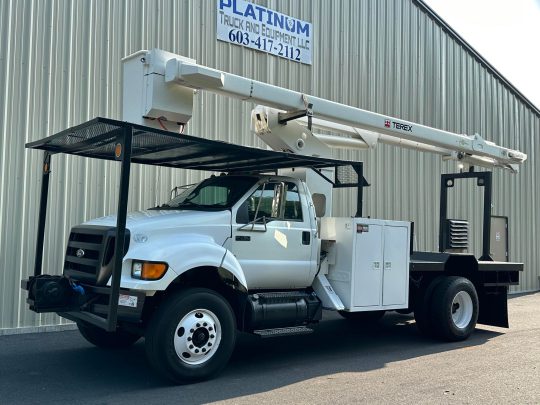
148, 270
118, 150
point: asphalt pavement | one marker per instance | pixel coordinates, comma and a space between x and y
339, 363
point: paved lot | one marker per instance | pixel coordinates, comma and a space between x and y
339, 364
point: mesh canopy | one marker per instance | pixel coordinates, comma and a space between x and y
346, 175
97, 139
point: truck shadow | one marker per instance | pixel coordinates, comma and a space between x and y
55, 361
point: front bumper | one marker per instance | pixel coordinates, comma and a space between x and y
80, 301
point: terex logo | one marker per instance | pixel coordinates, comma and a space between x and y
398, 125
403, 127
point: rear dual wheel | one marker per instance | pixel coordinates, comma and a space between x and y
449, 309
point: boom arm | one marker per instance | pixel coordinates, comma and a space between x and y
174, 73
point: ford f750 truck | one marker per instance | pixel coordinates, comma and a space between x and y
254, 247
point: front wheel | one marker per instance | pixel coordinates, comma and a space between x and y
191, 336
106, 340
455, 309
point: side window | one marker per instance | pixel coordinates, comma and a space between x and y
275, 201
262, 202
293, 206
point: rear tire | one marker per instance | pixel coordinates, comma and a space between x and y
106, 340
191, 336
366, 317
455, 309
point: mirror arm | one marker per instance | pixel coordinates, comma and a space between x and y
257, 209
253, 223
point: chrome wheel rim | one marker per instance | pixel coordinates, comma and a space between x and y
462, 309
197, 336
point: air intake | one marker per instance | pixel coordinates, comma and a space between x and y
456, 235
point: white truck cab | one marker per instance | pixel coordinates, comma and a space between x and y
260, 228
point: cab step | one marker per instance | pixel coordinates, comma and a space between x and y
289, 331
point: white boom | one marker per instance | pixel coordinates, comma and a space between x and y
158, 86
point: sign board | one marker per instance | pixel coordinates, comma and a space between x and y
257, 27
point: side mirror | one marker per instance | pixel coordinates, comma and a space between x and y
242, 215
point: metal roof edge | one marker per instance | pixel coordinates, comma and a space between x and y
446, 27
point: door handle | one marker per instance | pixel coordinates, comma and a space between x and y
306, 237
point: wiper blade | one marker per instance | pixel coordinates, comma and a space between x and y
187, 203
157, 207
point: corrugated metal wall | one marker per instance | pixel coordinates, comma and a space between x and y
60, 65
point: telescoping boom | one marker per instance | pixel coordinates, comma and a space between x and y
158, 87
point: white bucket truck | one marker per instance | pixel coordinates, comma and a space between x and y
255, 248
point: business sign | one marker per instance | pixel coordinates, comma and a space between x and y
257, 27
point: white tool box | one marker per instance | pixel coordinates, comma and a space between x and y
369, 269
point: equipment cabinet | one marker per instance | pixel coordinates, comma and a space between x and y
370, 269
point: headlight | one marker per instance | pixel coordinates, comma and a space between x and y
148, 270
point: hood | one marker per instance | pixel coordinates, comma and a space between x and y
216, 224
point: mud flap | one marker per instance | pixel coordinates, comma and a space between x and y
494, 307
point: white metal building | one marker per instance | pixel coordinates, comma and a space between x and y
61, 66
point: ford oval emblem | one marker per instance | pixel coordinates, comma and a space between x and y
79, 253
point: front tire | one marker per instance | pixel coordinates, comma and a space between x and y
455, 309
106, 340
191, 336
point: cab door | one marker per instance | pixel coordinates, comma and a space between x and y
272, 237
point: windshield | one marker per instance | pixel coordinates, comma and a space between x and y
218, 192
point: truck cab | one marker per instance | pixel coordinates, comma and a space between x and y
264, 225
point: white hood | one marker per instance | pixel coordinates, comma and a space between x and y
148, 223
